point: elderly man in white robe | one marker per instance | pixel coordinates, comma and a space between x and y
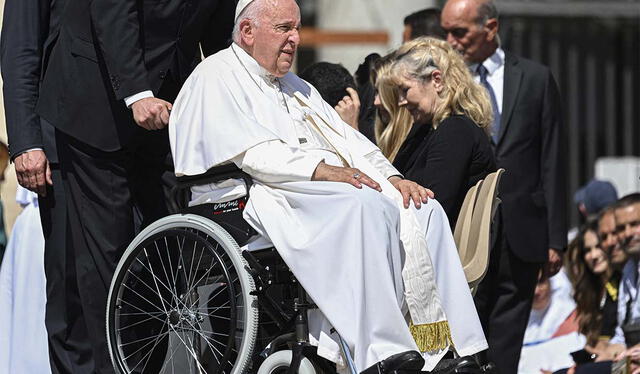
370, 248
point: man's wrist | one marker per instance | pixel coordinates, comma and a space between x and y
130, 100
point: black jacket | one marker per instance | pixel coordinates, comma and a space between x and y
108, 50
448, 160
29, 29
532, 148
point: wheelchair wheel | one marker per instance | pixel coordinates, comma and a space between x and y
279, 362
181, 301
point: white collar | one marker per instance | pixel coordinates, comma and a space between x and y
251, 64
493, 63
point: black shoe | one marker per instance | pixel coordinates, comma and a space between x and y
460, 365
405, 361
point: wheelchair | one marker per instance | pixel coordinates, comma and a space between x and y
185, 298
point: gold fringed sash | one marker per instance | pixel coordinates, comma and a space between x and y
432, 337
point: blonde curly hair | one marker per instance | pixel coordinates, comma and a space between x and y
461, 95
389, 135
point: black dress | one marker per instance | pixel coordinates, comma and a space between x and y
448, 160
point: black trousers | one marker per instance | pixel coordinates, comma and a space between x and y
69, 349
110, 197
504, 301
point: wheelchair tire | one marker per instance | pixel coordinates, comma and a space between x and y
279, 362
181, 301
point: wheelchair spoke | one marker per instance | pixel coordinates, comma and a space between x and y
144, 298
143, 282
164, 269
170, 359
205, 275
140, 340
142, 314
198, 331
155, 282
191, 351
141, 348
141, 310
137, 323
150, 354
187, 277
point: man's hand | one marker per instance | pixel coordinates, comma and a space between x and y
151, 113
33, 172
553, 265
349, 108
352, 176
411, 190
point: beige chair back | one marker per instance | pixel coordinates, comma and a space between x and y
463, 223
474, 237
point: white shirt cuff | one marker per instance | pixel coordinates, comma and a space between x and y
28, 150
129, 100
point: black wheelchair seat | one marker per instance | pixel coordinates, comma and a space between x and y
227, 214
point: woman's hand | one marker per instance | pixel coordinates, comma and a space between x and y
411, 191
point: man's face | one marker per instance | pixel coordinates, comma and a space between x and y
275, 38
609, 240
472, 40
628, 228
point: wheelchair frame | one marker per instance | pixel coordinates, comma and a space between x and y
269, 274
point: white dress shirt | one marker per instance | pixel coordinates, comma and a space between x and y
495, 68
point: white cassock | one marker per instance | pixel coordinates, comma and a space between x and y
357, 252
23, 336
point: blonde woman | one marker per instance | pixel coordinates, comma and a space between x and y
392, 122
447, 149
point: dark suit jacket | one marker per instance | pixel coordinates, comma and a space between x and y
532, 149
29, 29
448, 160
108, 50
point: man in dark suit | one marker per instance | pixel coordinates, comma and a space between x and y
530, 143
29, 29
112, 74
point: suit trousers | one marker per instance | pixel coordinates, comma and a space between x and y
504, 301
69, 349
110, 197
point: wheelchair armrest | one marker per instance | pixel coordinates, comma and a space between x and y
215, 174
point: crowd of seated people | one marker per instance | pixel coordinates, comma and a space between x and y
602, 265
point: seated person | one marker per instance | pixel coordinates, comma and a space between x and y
595, 290
447, 148
552, 329
393, 122
624, 346
337, 87
339, 214
366, 93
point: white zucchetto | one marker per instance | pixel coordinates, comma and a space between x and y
240, 7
